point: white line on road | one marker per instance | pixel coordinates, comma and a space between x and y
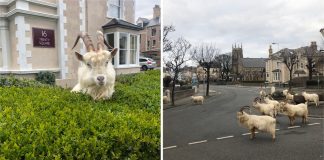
224, 137
313, 124
277, 129
169, 147
293, 127
244, 134
197, 142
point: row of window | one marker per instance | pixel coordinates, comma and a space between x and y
153, 45
127, 47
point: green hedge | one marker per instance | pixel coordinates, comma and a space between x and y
52, 123
46, 77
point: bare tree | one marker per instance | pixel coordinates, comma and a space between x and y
311, 58
289, 59
176, 59
225, 65
205, 55
167, 44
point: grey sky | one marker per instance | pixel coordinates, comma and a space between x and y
144, 8
254, 23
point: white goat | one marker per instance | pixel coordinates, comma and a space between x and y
96, 75
273, 89
166, 99
264, 108
292, 111
197, 99
288, 95
274, 102
262, 93
311, 97
254, 122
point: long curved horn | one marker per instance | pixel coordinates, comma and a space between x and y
102, 41
86, 40
244, 107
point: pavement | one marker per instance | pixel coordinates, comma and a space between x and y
317, 112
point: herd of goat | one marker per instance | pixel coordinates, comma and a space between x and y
293, 106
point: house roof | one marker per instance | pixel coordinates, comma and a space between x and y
254, 62
122, 24
154, 22
276, 70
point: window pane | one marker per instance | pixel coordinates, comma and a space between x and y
123, 41
133, 42
122, 57
111, 40
132, 58
115, 2
114, 11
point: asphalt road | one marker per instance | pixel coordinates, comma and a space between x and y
211, 131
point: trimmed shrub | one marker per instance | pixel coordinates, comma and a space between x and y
46, 77
166, 81
53, 123
12, 81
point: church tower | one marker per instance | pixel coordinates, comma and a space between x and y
237, 59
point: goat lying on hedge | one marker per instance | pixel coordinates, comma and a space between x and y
254, 122
96, 75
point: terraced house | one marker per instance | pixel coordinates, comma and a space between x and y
277, 72
37, 35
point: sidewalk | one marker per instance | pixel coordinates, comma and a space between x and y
187, 100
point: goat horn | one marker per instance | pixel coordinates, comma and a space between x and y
244, 107
102, 41
86, 40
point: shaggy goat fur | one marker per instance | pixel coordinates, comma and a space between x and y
197, 99
292, 111
288, 95
311, 98
254, 122
274, 102
264, 108
96, 75
166, 99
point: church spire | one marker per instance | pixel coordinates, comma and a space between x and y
270, 50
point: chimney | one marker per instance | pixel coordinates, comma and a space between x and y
156, 11
313, 45
270, 51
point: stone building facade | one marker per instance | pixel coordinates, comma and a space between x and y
59, 22
247, 69
151, 35
277, 71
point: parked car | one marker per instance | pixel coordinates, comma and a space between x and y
147, 63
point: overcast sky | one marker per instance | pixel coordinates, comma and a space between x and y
254, 23
144, 8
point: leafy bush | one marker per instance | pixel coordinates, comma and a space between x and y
46, 77
166, 81
52, 123
12, 81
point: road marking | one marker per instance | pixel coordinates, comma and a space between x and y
293, 127
313, 124
244, 134
169, 147
277, 129
197, 142
224, 137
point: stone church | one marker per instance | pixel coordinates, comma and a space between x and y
247, 69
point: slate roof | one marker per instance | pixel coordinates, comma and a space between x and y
254, 62
154, 22
122, 24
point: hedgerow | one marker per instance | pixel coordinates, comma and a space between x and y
51, 123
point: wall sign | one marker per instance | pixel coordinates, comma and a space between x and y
43, 38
